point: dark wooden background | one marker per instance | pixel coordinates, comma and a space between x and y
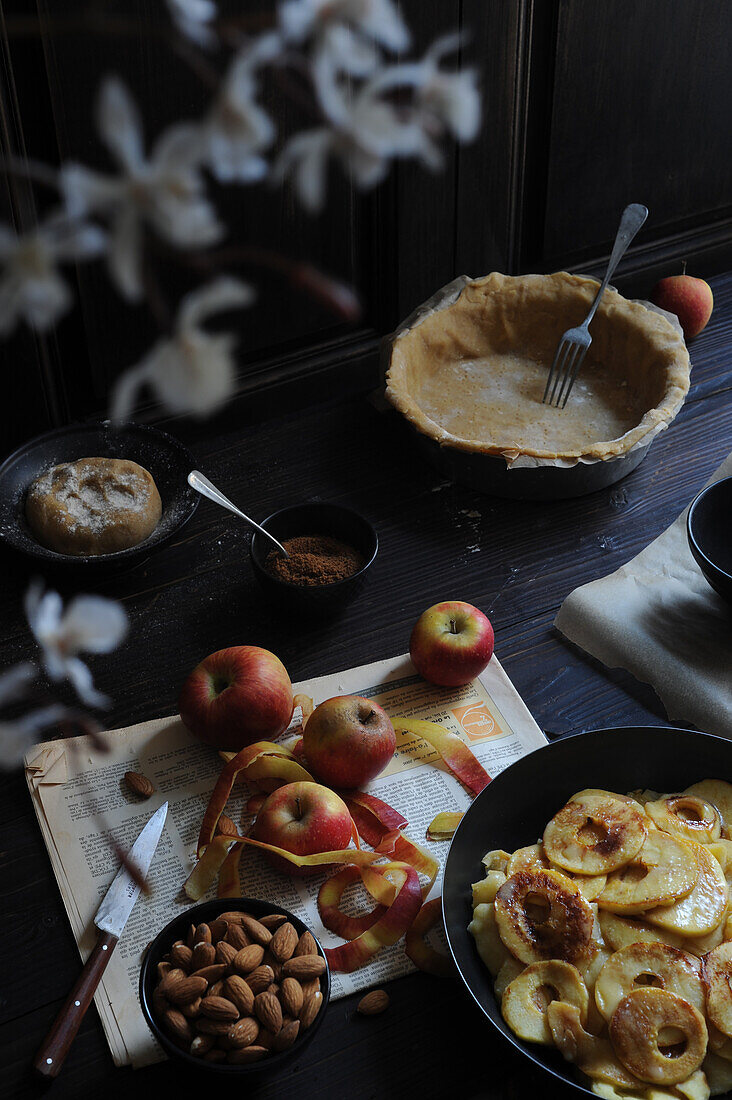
199, 594
587, 106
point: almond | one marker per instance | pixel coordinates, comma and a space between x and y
139, 784
373, 1003
273, 920
241, 1034
310, 988
232, 916
304, 967
170, 980
207, 1026
284, 942
256, 931
159, 1002
201, 1045
291, 997
237, 937
218, 929
248, 959
202, 934
164, 968
211, 973
240, 994
310, 1010
266, 1038
218, 1008
260, 979
177, 1026
180, 956
185, 991
191, 937
246, 1055
287, 1034
225, 953
275, 966
217, 989
192, 1009
203, 954
306, 945
269, 1011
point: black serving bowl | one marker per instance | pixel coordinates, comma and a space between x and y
177, 929
314, 518
709, 529
515, 807
166, 459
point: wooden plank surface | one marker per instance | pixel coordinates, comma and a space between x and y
437, 540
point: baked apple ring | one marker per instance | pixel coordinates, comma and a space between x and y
659, 1037
592, 1054
527, 997
664, 869
688, 816
543, 915
648, 964
717, 978
594, 834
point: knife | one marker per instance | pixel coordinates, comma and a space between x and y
111, 918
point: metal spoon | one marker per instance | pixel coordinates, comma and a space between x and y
202, 485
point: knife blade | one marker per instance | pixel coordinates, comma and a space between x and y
110, 919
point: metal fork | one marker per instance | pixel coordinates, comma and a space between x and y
575, 341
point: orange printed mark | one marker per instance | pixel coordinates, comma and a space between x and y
477, 722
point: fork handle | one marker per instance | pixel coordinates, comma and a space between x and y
631, 221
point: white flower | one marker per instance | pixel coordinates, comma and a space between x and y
344, 31
17, 737
237, 128
166, 190
31, 289
191, 17
365, 133
90, 624
193, 371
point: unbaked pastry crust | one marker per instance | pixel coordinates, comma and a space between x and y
471, 376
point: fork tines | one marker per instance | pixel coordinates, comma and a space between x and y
567, 362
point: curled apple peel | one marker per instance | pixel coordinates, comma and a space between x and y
391, 925
453, 750
333, 918
422, 954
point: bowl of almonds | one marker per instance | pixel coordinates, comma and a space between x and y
234, 985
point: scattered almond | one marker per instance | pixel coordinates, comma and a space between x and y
373, 1003
139, 784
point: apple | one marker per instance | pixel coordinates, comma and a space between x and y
237, 696
302, 818
689, 298
451, 643
348, 740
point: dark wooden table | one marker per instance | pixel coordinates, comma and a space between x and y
517, 561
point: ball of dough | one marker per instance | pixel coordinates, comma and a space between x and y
93, 506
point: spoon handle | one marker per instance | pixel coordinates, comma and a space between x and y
206, 488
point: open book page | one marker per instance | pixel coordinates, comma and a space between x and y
78, 791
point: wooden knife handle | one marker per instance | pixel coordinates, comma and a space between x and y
57, 1043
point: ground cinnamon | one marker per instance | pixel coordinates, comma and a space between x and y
314, 559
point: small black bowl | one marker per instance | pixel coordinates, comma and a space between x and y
163, 456
514, 809
177, 929
314, 518
709, 529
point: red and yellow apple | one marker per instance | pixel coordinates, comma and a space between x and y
348, 740
689, 298
237, 696
303, 818
451, 643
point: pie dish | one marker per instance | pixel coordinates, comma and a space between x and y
470, 376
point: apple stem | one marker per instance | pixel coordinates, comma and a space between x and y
297, 803
683, 267
453, 627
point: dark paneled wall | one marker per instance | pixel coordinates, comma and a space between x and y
588, 106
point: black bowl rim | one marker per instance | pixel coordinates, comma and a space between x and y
689, 524
273, 1061
508, 1036
332, 585
52, 557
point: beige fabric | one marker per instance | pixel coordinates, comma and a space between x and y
472, 375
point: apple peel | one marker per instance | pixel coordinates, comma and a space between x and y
453, 750
390, 926
399, 847
329, 899
443, 826
422, 954
373, 816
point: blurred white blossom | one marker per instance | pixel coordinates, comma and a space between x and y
16, 737
237, 129
193, 371
89, 624
166, 190
192, 18
345, 31
364, 132
31, 288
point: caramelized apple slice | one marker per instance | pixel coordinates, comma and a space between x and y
659, 1037
694, 1088
496, 860
528, 996
717, 978
484, 930
664, 870
542, 915
702, 910
485, 889
688, 816
594, 834
718, 1073
620, 931
510, 970
648, 964
719, 793
533, 858
590, 1053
